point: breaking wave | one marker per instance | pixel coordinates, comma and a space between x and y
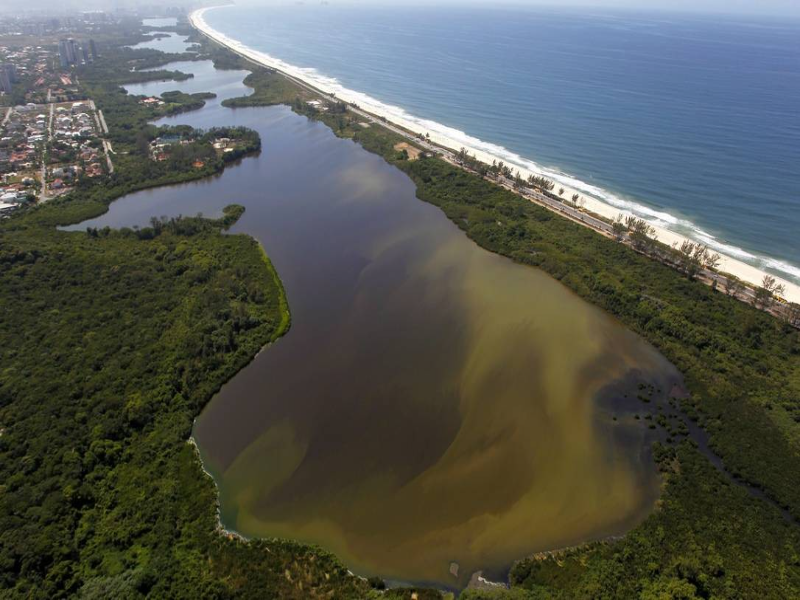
456, 139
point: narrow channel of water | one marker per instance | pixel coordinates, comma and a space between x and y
435, 409
167, 41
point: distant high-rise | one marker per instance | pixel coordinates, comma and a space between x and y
11, 69
93, 49
85, 51
76, 51
63, 54
69, 52
5, 80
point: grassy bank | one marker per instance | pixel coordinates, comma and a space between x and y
283, 302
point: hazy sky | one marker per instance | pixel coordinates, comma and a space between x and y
717, 6
755, 7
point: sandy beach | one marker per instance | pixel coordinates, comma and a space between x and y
481, 150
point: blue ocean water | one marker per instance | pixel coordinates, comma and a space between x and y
692, 121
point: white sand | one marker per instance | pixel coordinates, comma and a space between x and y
455, 140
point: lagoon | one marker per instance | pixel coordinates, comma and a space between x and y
435, 409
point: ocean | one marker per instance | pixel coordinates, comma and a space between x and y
692, 122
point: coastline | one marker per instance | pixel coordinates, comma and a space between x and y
161, 534
477, 580
749, 274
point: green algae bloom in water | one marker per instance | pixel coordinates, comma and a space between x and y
434, 403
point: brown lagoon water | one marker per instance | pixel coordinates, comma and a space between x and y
432, 403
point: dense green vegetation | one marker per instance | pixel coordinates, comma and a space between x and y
137, 171
269, 88
125, 115
181, 102
741, 366
709, 538
16, 96
111, 342
131, 131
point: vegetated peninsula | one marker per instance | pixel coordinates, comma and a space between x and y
113, 341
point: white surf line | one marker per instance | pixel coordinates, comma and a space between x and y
486, 152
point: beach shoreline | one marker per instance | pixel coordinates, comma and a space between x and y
749, 274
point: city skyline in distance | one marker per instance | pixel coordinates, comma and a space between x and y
766, 8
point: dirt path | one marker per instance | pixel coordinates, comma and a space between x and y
43, 195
